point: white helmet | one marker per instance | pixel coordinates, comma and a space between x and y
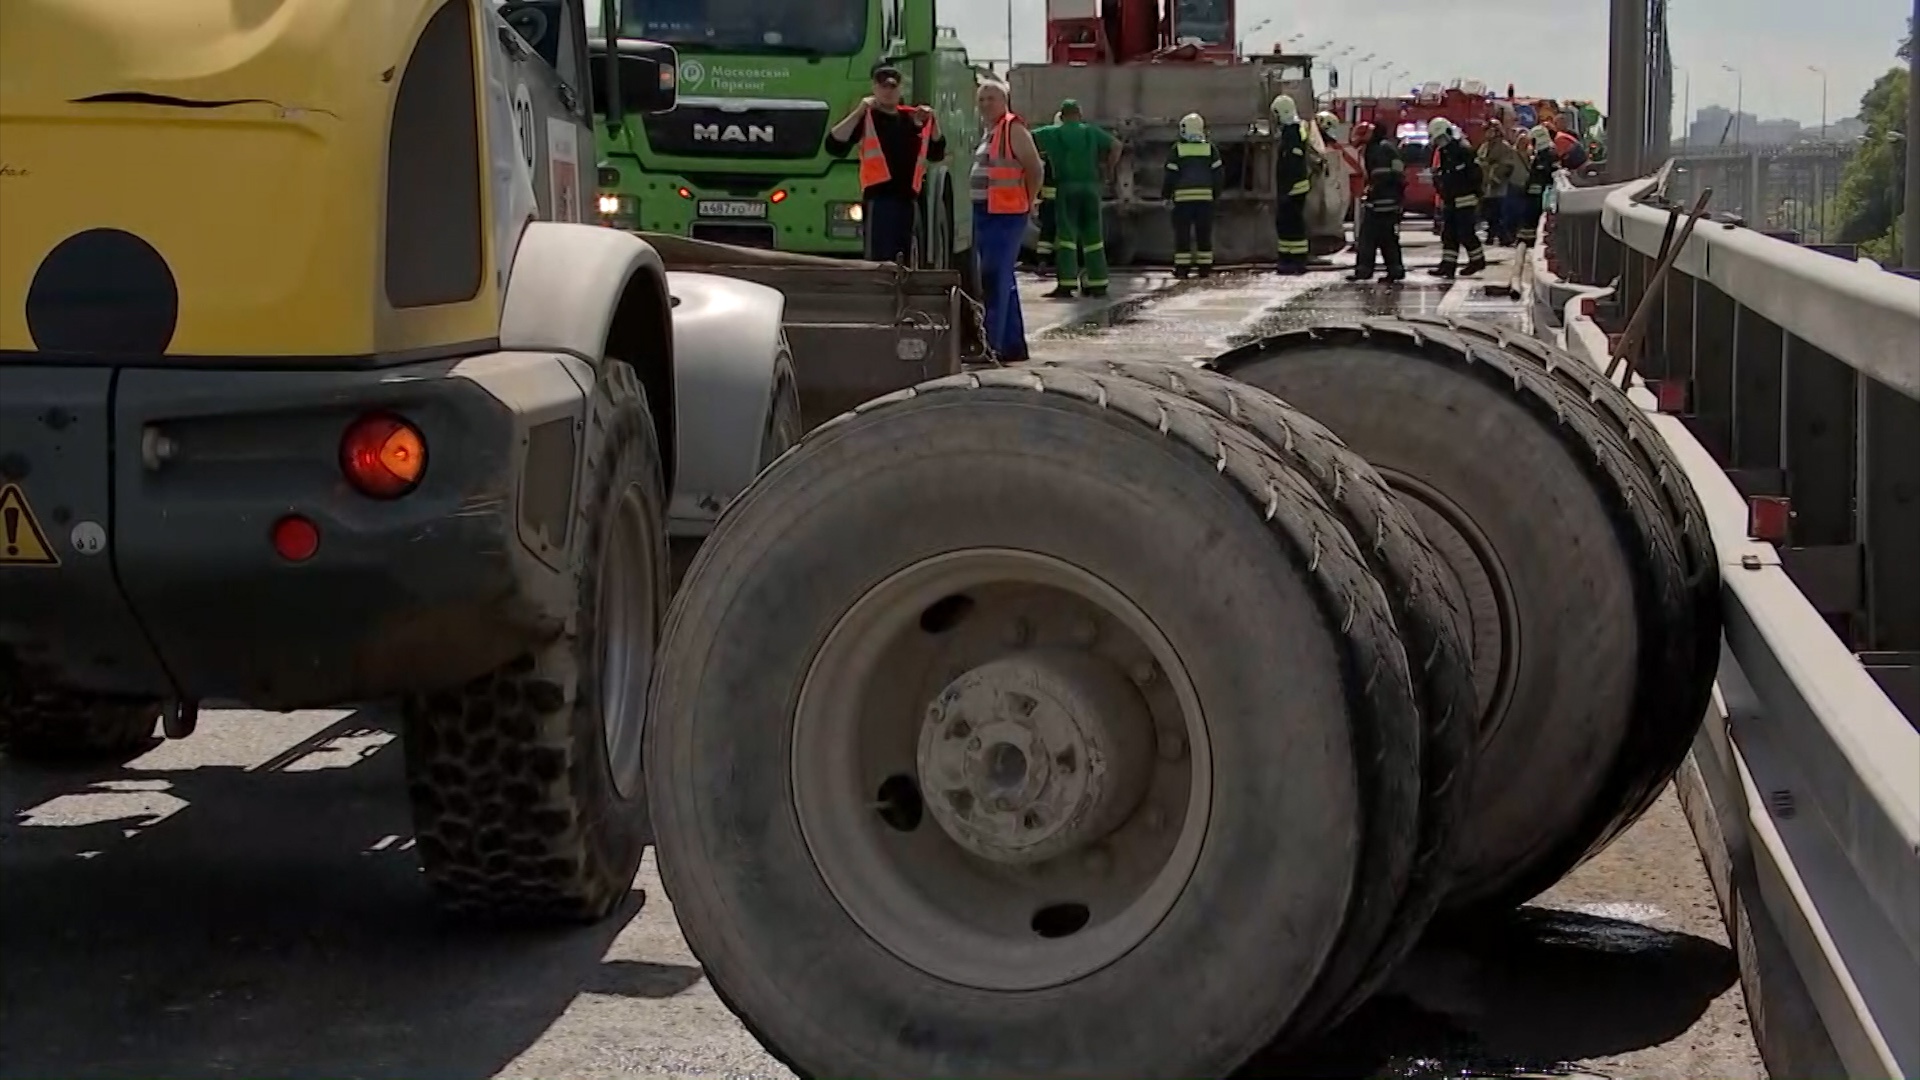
1285, 109
1193, 127
1438, 128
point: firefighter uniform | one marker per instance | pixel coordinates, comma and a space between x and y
1457, 181
1293, 179
1539, 178
1193, 181
1385, 200
1047, 212
1076, 149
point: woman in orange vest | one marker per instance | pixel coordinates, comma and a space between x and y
896, 142
1005, 182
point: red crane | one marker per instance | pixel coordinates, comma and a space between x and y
1140, 31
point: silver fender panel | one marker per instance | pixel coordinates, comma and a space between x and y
566, 283
729, 349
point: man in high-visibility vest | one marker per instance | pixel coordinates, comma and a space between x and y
1293, 180
1080, 154
1004, 180
896, 142
1193, 182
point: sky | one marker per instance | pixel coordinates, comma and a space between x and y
1554, 48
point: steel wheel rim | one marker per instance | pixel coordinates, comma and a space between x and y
1493, 612
993, 922
626, 638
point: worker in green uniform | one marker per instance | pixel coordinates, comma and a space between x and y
1081, 155
1047, 209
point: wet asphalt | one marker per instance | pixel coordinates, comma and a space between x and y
246, 903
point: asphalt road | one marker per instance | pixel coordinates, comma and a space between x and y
245, 903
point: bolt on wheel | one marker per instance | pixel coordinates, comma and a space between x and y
1000, 769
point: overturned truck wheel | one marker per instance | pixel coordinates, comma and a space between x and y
1588, 635
528, 795
957, 761
1431, 615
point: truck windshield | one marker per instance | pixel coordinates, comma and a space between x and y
1205, 20
769, 27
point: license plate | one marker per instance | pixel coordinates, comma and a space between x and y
732, 208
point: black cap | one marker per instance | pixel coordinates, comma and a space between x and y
886, 73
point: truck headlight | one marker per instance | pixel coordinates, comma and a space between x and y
843, 219
619, 211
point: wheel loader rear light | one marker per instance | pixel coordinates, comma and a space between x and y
383, 456
779, 196
295, 539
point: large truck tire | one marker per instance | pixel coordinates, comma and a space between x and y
1430, 612
1660, 747
1575, 579
61, 727
957, 763
529, 801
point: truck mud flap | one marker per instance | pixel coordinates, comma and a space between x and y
62, 612
858, 330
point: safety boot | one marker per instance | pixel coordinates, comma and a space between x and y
1060, 292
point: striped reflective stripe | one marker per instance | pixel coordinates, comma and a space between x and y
1465, 201
1204, 258
1097, 245
1049, 193
1301, 187
1291, 247
1192, 195
1182, 258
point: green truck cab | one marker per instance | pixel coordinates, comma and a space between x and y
742, 159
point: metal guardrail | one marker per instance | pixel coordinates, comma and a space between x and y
1790, 380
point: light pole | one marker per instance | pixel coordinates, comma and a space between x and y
1822, 72
1686, 105
1739, 102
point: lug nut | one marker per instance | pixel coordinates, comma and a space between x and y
974, 743
960, 730
961, 800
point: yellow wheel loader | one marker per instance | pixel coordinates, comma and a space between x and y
317, 389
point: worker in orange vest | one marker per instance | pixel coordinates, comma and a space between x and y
896, 142
1005, 183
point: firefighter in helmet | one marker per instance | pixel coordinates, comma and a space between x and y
1457, 181
1384, 200
1193, 181
1293, 179
1540, 169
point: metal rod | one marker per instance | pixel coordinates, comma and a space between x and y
1642, 312
1910, 246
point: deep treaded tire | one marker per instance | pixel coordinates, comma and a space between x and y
1315, 751
1430, 614
1599, 641
59, 726
516, 809
1630, 423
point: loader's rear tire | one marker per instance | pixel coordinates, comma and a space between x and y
1431, 613
1575, 582
529, 800
57, 726
1659, 744
1075, 566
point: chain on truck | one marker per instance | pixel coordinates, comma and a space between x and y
1084, 717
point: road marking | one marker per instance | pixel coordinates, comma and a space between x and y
21, 541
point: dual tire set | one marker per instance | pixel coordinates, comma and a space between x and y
1126, 719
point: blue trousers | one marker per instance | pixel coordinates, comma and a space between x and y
996, 240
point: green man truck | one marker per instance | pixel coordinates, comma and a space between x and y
741, 160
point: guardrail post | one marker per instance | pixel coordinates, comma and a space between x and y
1676, 310
1736, 388
1889, 509
1823, 454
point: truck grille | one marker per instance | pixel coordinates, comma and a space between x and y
703, 128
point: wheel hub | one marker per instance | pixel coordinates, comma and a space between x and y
1028, 757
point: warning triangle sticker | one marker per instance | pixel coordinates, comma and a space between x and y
21, 541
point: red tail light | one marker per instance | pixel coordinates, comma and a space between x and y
383, 456
295, 539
